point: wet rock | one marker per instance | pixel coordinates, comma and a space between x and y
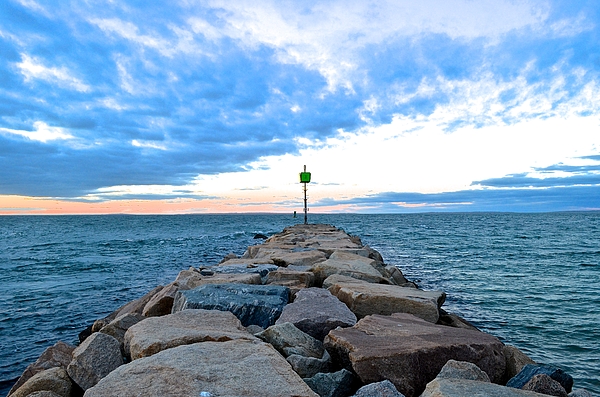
364, 298
182, 328
308, 367
260, 236
59, 355
233, 368
351, 265
336, 384
462, 370
515, 361
94, 359
530, 370
288, 340
316, 312
55, 380
380, 389
464, 388
252, 304
544, 384
409, 351
162, 302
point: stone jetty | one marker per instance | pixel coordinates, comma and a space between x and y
309, 312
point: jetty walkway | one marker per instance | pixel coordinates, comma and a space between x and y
309, 312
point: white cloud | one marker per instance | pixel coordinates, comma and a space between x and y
43, 133
148, 144
32, 69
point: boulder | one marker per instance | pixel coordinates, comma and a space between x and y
351, 265
365, 298
515, 361
380, 389
242, 266
462, 370
190, 279
252, 304
120, 325
410, 351
299, 258
162, 302
182, 328
95, 358
58, 355
544, 384
308, 367
530, 370
283, 276
472, 388
55, 380
316, 312
336, 384
233, 368
288, 340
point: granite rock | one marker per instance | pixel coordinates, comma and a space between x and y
292, 279
120, 325
182, 328
335, 384
252, 304
54, 380
162, 302
316, 312
380, 389
288, 340
95, 358
190, 279
409, 351
472, 388
580, 393
462, 370
544, 384
308, 367
233, 368
515, 361
530, 370
364, 298
351, 265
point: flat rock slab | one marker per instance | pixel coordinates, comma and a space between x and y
224, 369
409, 351
156, 334
190, 279
316, 312
472, 388
252, 304
365, 298
349, 264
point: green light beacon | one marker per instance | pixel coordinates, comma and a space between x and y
305, 178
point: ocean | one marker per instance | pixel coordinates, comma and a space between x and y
532, 280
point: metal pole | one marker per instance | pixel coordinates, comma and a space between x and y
305, 203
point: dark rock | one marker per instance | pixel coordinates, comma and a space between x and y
580, 393
544, 384
530, 370
83, 335
515, 361
379, 389
260, 236
94, 359
316, 312
308, 367
336, 384
162, 302
59, 355
252, 304
288, 340
410, 351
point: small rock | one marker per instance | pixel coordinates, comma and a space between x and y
308, 367
336, 384
95, 358
462, 370
544, 384
379, 389
55, 380
580, 393
260, 236
288, 340
530, 370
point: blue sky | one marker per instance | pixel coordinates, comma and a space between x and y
215, 106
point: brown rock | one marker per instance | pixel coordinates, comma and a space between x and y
316, 312
54, 380
188, 279
294, 280
410, 351
182, 328
95, 358
233, 368
515, 361
161, 303
59, 355
544, 384
302, 258
365, 298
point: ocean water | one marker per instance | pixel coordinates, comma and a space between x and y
533, 280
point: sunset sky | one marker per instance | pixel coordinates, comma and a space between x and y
201, 106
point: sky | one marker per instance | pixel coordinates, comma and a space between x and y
211, 106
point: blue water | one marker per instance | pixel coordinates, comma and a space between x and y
533, 280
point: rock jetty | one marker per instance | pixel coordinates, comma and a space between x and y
309, 312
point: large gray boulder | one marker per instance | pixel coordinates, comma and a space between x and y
316, 312
409, 351
288, 340
252, 304
462, 370
365, 298
58, 355
233, 368
182, 328
55, 380
95, 358
308, 367
472, 388
380, 389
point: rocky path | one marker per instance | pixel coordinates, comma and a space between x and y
310, 312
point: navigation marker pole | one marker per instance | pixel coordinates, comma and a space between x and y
305, 178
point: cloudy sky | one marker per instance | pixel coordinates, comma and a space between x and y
215, 106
